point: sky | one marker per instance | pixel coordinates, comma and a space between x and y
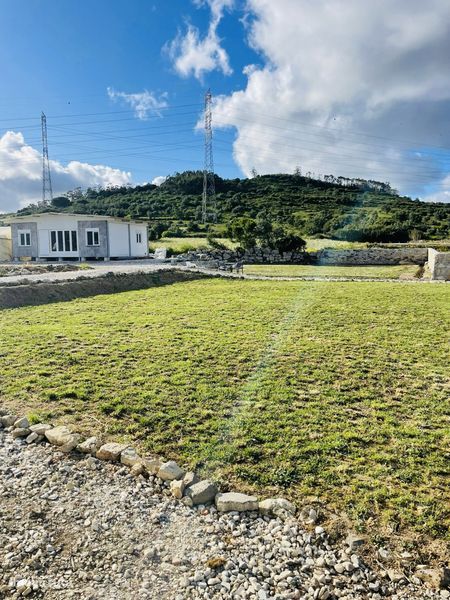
354, 88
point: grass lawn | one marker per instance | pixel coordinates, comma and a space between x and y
180, 245
331, 389
314, 244
360, 272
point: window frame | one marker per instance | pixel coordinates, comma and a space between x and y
95, 232
62, 241
26, 233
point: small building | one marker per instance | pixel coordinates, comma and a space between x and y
5, 243
64, 236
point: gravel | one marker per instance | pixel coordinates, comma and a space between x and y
72, 526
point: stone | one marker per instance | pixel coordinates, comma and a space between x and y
89, 446
177, 488
32, 437
169, 471
137, 469
190, 478
111, 451
8, 420
20, 432
129, 457
22, 423
277, 507
395, 576
354, 541
202, 492
40, 428
434, 578
63, 437
236, 501
152, 465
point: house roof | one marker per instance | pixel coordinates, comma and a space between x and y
77, 215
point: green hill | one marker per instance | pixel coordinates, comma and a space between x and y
351, 209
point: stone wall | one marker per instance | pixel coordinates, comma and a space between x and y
255, 256
373, 256
439, 264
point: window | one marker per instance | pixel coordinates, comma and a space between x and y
139, 238
92, 237
24, 237
63, 241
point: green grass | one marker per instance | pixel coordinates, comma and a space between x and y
331, 389
181, 245
358, 272
314, 244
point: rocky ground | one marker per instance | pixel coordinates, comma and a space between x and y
74, 526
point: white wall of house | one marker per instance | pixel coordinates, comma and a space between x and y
119, 243
49, 223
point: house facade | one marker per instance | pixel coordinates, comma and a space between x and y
63, 236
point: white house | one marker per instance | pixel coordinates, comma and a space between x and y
59, 236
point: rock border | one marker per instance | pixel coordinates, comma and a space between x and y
194, 492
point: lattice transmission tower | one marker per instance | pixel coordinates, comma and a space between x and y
209, 186
47, 192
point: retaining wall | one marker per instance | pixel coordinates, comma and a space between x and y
13, 296
439, 264
373, 256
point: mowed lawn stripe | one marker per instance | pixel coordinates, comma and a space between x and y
333, 389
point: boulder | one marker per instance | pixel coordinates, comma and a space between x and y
40, 428
169, 471
32, 437
62, 436
177, 488
111, 451
22, 423
202, 492
152, 465
129, 457
89, 446
277, 507
236, 501
8, 420
190, 478
20, 432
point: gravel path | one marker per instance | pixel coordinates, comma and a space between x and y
101, 269
77, 527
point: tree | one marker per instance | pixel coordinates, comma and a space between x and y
243, 230
60, 202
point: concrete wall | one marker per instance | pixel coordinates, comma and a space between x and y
439, 264
373, 256
24, 251
101, 251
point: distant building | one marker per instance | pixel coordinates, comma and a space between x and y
63, 236
5, 243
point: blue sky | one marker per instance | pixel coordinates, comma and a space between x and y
293, 87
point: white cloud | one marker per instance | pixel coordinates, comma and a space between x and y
194, 55
443, 195
159, 180
332, 69
20, 174
143, 103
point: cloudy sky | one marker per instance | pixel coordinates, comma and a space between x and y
350, 87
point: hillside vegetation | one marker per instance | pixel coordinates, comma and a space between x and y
347, 209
